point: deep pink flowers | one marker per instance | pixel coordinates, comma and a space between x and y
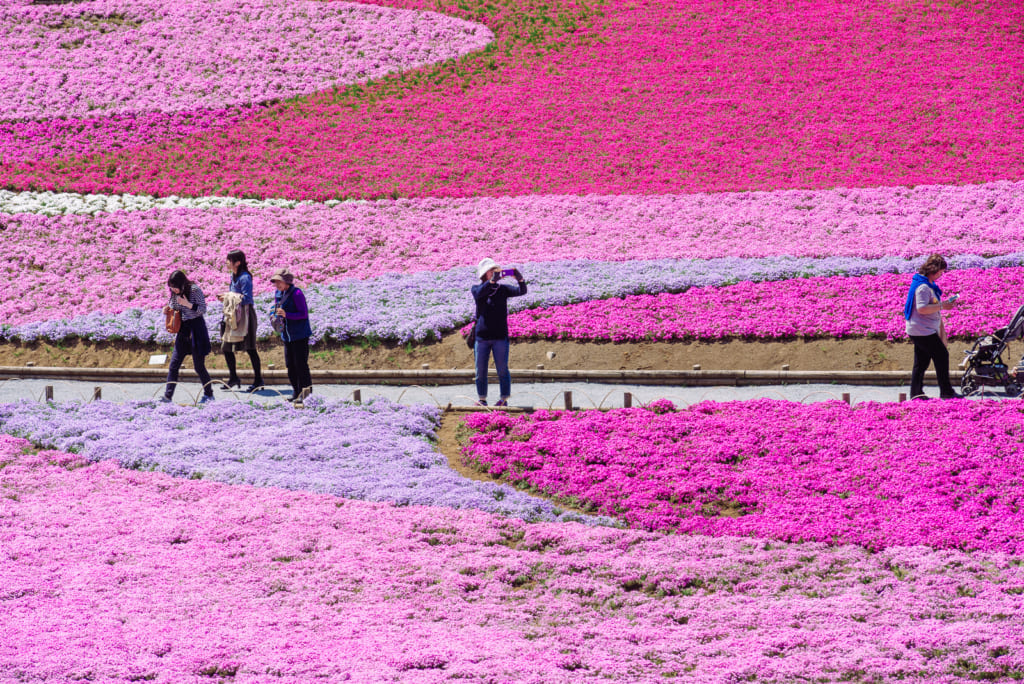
661, 97
942, 474
834, 306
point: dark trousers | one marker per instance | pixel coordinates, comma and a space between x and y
254, 357
928, 349
198, 362
296, 358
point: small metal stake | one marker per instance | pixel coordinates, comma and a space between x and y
568, 400
627, 399
48, 392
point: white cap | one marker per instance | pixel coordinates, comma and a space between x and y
484, 266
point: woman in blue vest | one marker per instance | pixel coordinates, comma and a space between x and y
290, 306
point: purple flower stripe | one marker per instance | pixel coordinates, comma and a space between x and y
423, 306
378, 451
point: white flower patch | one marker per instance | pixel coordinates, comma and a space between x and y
58, 203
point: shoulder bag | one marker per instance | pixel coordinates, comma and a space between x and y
172, 322
279, 322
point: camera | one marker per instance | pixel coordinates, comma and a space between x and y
508, 272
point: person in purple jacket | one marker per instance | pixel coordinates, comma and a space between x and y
290, 305
491, 327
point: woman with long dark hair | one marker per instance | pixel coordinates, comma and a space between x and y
193, 337
245, 323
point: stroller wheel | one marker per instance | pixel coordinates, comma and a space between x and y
1012, 389
969, 383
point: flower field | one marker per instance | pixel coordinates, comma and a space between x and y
770, 301
831, 307
375, 452
398, 270
141, 576
658, 170
614, 97
563, 132
877, 475
175, 76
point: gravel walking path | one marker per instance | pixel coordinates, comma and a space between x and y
533, 395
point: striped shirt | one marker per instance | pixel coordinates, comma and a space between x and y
198, 304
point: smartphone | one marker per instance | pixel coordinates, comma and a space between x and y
953, 298
508, 272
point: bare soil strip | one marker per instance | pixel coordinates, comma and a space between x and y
451, 353
449, 443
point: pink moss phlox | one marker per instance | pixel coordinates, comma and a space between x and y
656, 98
117, 576
828, 307
946, 475
114, 74
108, 261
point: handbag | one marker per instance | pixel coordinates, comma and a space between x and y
172, 322
279, 322
471, 337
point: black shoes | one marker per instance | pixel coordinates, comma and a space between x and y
954, 395
232, 382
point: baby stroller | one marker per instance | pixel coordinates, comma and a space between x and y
983, 364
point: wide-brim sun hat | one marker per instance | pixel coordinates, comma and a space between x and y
284, 275
484, 266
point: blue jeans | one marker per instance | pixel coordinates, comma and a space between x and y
482, 352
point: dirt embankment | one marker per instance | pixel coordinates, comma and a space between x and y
450, 439
451, 353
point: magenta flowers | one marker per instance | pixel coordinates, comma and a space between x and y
946, 475
671, 96
833, 306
